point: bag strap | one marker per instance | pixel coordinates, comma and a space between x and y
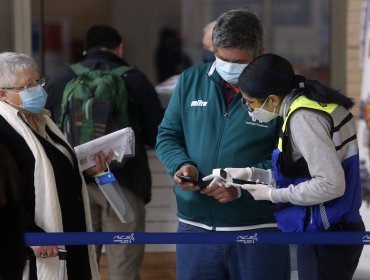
79, 69
121, 70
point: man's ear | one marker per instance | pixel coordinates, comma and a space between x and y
118, 51
121, 50
275, 100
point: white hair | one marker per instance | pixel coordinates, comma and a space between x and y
11, 65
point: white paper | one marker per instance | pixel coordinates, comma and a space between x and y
121, 142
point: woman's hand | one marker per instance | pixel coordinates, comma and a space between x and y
259, 191
101, 162
45, 251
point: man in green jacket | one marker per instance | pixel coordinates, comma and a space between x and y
205, 127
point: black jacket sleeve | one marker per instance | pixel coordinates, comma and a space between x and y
54, 88
147, 107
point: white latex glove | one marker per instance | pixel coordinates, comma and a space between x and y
222, 183
221, 179
240, 173
216, 182
218, 173
259, 191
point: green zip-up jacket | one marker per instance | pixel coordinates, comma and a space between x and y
197, 129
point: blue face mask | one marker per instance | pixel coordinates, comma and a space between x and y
33, 99
228, 71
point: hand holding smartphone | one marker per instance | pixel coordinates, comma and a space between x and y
187, 179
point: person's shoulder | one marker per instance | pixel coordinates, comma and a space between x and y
311, 113
63, 73
135, 76
307, 117
197, 70
134, 71
199, 67
5, 127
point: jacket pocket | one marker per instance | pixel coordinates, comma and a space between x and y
319, 220
291, 218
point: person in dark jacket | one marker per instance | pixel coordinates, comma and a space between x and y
104, 51
11, 217
170, 58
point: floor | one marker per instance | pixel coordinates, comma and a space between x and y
159, 266
162, 266
156, 266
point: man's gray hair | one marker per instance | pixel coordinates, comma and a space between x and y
238, 29
11, 65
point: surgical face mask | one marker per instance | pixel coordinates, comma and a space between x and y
228, 71
33, 99
262, 115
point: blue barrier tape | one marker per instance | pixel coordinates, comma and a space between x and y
83, 238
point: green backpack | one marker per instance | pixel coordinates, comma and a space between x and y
94, 103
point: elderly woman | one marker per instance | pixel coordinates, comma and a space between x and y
53, 188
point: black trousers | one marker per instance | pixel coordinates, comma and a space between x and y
327, 262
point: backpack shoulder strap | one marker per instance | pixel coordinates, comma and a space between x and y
79, 69
121, 70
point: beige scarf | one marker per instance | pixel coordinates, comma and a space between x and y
47, 209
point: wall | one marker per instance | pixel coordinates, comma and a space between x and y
139, 22
353, 73
65, 23
81, 14
353, 79
6, 26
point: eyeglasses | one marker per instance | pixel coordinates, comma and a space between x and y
40, 82
246, 105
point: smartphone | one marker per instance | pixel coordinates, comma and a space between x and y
223, 174
187, 179
239, 182
232, 181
